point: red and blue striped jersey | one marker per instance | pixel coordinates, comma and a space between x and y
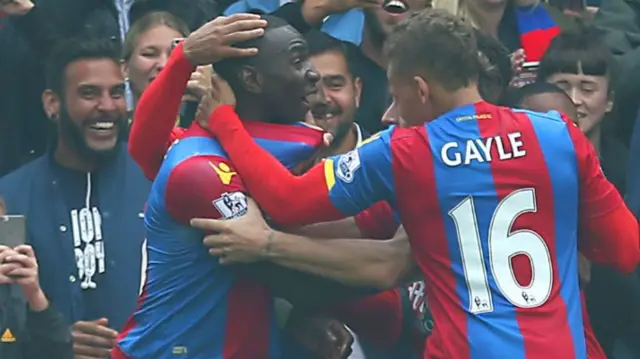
190, 305
492, 200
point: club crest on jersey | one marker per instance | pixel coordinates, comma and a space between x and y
348, 164
224, 172
231, 205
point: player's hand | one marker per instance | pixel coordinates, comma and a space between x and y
212, 41
16, 7
93, 339
220, 93
199, 84
239, 240
324, 338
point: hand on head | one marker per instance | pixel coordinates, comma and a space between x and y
212, 41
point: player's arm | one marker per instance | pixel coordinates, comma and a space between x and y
608, 231
336, 188
152, 131
342, 228
194, 189
377, 222
363, 262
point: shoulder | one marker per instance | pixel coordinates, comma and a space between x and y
204, 186
17, 177
210, 170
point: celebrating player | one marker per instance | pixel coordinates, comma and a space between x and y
492, 200
190, 305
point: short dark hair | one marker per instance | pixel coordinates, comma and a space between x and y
583, 49
74, 49
319, 42
438, 44
516, 97
228, 68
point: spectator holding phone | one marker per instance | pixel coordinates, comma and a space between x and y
45, 334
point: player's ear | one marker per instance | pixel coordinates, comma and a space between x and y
423, 89
250, 79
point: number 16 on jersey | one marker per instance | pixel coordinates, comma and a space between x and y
503, 244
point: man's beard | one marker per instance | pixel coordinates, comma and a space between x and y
74, 137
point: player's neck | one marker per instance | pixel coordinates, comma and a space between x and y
248, 109
449, 101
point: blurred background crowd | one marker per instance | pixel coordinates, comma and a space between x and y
534, 51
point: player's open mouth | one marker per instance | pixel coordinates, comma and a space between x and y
395, 6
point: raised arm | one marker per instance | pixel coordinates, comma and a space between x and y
155, 115
335, 188
608, 232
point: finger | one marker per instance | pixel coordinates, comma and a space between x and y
93, 341
209, 225
216, 241
5, 268
327, 139
102, 321
240, 36
4, 248
226, 260
21, 259
243, 25
236, 52
238, 17
25, 249
96, 328
6, 280
87, 351
217, 252
22, 273
6, 253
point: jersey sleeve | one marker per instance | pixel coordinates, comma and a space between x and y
336, 188
608, 231
152, 131
204, 186
378, 221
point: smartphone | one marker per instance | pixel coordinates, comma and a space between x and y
13, 230
531, 66
527, 75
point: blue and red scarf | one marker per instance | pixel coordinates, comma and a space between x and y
537, 29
